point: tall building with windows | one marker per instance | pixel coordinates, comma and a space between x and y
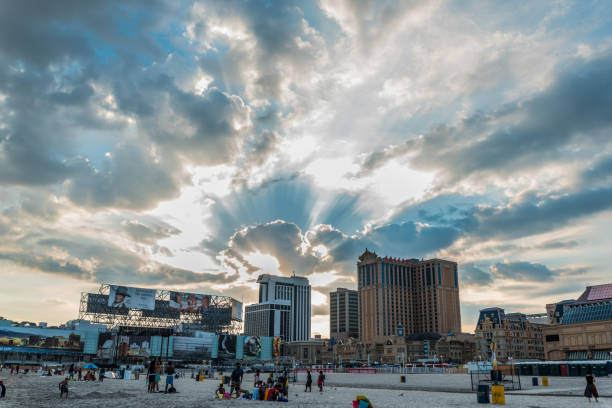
398, 297
283, 309
343, 314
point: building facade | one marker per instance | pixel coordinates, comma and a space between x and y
406, 296
514, 335
343, 314
581, 329
307, 352
431, 347
283, 309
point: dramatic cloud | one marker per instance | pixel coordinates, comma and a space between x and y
198, 145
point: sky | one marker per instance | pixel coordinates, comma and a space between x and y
196, 145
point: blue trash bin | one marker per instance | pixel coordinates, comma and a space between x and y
482, 395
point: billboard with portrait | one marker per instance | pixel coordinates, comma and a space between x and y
125, 297
227, 346
134, 346
189, 302
106, 345
276, 347
252, 347
38, 338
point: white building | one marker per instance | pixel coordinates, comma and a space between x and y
283, 309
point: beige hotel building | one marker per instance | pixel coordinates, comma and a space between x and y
399, 297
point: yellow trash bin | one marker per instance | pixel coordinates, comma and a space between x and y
497, 395
545, 381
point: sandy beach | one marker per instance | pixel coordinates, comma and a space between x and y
35, 391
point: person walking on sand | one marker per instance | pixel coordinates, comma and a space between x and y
590, 391
256, 380
63, 387
308, 381
321, 381
236, 379
158, 371
151, 377
169, 376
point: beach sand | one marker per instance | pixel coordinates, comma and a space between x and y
34, 391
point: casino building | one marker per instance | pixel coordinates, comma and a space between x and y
399, 297
516, 335
581, 329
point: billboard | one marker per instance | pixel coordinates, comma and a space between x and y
106, 345
194, 348
162, 310
189, 302
124, 297
252, 347
97, 303
134, 346
276, 347
236, 310
227, 346
38, 338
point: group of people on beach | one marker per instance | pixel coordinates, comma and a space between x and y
154, 376
320, 381
269, 390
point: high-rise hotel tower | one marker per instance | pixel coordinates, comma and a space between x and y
283, 309
406, 296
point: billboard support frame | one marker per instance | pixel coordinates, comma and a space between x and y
178, 321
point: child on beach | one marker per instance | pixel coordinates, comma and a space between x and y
321, 381
220, 392
63, 387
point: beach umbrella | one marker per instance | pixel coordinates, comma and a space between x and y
91, 365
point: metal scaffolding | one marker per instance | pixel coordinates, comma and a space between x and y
94, 307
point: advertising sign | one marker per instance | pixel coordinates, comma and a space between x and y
252, 347
227, 346
106, 345
236, 310
194, 348
276, 347
189, 302
26, 337
134, 346
124, 297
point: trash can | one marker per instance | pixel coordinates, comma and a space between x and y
534, 381
402, 378
498, 395
482, 395
545, 381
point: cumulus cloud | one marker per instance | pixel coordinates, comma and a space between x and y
522, 271
472, 275
109, 115
517, 136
